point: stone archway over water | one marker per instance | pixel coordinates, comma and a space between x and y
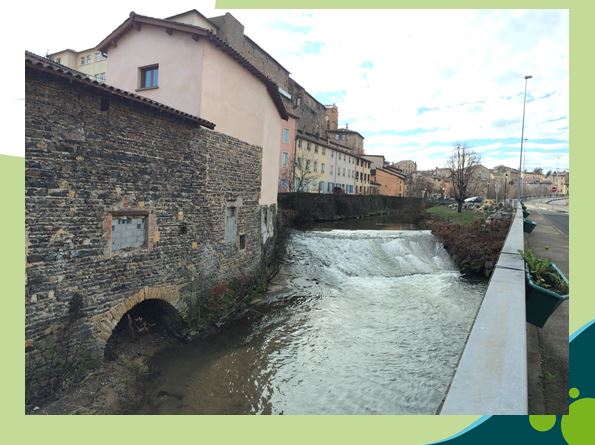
153, 299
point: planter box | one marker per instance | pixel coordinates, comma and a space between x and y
541, 302
525, 213
528, 225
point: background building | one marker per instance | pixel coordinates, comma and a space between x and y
91, 62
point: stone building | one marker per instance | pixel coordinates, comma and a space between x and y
408, 167
349, 138
311, 114
332, 117
127, 201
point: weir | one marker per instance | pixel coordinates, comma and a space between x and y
358, 322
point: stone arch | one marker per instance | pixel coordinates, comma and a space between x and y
105, 323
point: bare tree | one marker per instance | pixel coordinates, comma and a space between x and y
462, 164
304, 173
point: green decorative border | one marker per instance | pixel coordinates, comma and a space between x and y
19, 428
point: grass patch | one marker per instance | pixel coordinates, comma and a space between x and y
451, 215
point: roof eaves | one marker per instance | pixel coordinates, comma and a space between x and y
272, 87
37, 62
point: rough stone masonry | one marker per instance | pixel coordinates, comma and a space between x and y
126, 202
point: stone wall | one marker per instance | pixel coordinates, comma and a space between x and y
311, 115
93, 159
232, 31
300, 208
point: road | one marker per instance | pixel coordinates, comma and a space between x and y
548, 346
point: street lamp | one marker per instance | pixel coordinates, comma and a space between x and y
522, 139
505, 182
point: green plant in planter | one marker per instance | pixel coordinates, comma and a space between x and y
543, 274
546, 288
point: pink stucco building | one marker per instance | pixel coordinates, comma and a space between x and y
185, 65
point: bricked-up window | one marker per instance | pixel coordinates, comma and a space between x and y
128, 231
231, 224
149, 77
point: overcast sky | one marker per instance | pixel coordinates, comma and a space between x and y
413, 83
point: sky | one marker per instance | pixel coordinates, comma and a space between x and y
414, 83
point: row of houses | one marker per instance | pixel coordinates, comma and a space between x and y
498, 183
209, 68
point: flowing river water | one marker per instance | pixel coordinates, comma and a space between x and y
357, 322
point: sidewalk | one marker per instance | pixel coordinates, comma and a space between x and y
547, 347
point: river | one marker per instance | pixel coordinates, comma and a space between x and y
356, 322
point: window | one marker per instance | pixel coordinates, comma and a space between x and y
315, 148
316, 166
286, 135
331, 170
298, 101
129, 231
98, 57
308, 146
88, 59
332, 154
323, 151
82, 60
343, 171
242, 241
307, 164
231, 225
322, 167
299, 143
284, 159
149, 77
100, 77
58, 60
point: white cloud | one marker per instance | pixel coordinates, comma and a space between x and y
468, 65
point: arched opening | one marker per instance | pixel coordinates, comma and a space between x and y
148, 326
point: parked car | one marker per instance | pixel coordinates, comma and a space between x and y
474, 199
338, 191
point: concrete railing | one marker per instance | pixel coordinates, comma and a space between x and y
491, 377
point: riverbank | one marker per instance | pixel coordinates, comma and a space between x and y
473, 238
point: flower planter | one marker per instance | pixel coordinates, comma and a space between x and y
528, 225
525, 213
541, 302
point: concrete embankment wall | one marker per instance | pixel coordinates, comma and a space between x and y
491, 377
312, 207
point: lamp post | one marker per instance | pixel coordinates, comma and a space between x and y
522, 139
505, 182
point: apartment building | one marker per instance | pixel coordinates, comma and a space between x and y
321, 167
91, 62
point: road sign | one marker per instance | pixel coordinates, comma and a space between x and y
554, 189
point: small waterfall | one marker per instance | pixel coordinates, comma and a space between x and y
361, 322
